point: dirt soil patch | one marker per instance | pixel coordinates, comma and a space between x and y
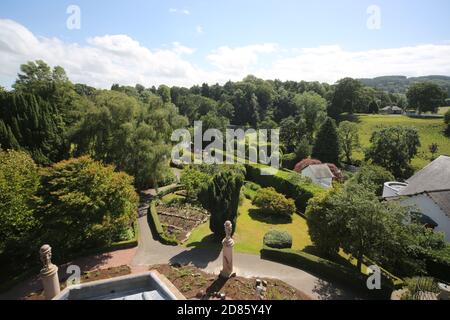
195, 284
180, 220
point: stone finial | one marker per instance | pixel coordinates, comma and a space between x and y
228, 229
49, 273
46, 256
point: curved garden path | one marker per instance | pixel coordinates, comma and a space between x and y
152, 252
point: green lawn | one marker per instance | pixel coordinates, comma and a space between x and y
251, 229
430, 131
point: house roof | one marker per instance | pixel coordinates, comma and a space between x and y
320, 171
434, 177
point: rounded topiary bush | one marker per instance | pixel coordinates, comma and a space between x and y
278, 239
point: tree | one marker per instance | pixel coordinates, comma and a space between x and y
373, 107
221, 198
194, 181
349, 139
313, 108
346, 96
447, 122
30, 123
19, 180
327, 146
373, 178
84, 204
353, 219
426, 96
434, 147
292, 131
393, 148
164, 93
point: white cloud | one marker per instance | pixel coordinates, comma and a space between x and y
104, 60
236, 60
109, 59
331, 63
180, 11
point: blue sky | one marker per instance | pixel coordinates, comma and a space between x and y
220, 40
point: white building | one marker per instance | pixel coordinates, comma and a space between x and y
429, 192
320, 174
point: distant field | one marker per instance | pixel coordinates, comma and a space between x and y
430, 130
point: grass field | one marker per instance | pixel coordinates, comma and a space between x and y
430, 131
251, 230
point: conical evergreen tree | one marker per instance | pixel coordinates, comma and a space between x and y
326, 147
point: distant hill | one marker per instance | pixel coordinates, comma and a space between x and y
400, 84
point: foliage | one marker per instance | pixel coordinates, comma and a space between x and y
278, 239
156, 224
83, 204
29, 123
19, 180
288, 160
353, 219
274, 203
349, 139
327, 147
346, 96
447, 122
372, 177
221, 198
194, 181
426, 96
250, 190
122, 132
288, 183
393, 148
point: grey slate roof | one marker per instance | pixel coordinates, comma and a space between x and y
434, 177
321, 171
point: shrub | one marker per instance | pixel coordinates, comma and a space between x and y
272, 202
278, 239
250, 189
288, 160
84, 204
288, 183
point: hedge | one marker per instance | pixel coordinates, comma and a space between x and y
330, 271
156, 224
301, 192
169, 191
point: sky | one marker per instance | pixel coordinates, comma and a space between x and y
190, 42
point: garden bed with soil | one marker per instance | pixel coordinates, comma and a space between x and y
195, 284
179, 220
